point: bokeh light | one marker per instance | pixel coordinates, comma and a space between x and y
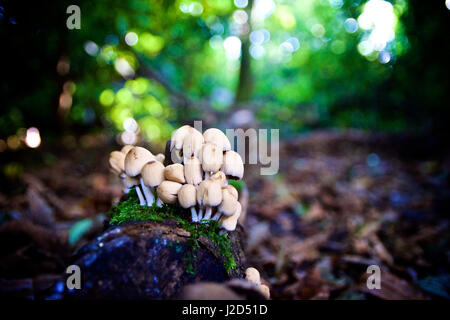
232, 47
351, 25
131, 38
33, 138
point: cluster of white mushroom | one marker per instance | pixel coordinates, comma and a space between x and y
197, 177
252, 276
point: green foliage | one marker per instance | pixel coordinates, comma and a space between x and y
130, 211
153, 61
238, 184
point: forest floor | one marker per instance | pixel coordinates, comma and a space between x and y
340, 203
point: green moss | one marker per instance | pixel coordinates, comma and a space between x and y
130, 210
238, 184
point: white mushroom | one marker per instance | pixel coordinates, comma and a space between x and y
176, 141
233, 166
211, 158
187, 197
193, 171
160, 157
175, 172
168, 191
229, 222
209, 194
126, 148
265, 291
217, 137
228, 206
192, 145
220, 177
135, 160
252, 276
153, 174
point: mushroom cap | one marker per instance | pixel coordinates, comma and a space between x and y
229, 203
153, 173
117, 162
252, 276
160, 157
232, 190
220, 177
265, 291
229, 222
176, 141
208, 193
192, 144
216, 136
135, 159
212, 196
176, 155
126, 148
201, 191
168, 191
187, 196
130, 182
193, 171
211, 157
233, 165
175, 173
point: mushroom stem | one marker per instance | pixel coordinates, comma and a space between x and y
159, 203
140, 196
194, 214
147, 194
200, 214
216, 216
208, 213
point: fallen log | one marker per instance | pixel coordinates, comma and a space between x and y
152, 253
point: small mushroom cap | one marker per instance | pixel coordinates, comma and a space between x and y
192, 144
176, 141
252, 276
217, 137
220, 177
201, 191
160, 157
193, 171
187, 196
211, 157
126, 148
265, 291
117, 162
232, 190
153, 173
229, 222
175, 173
176, 155
135, 160
212, 196
229, 203
168, 191
233, 165
130, 182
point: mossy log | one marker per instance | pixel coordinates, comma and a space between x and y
156, 259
